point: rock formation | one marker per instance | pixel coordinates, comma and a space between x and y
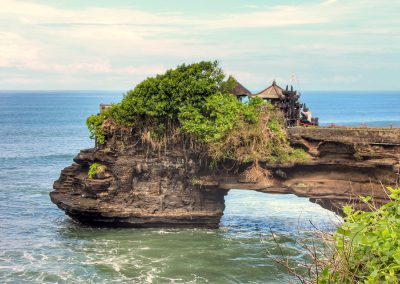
175, 186
140, 188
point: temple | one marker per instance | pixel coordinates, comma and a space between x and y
273, 94
288, 101
241, 92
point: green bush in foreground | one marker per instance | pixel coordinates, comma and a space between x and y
367, 245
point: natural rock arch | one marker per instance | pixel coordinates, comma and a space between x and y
175, 187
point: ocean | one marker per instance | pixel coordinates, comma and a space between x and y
40, 133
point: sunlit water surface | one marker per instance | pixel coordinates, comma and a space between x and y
41, 132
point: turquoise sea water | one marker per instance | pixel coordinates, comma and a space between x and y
40, 132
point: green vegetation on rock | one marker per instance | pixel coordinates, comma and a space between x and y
194, 103
96, 168
160, 99
95, 126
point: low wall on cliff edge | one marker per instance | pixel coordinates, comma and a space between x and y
389, 136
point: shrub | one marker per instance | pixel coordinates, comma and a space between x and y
211, 121
96, 168
364, 249
367, 245
194, 103
249, 140
162, 97
95, 126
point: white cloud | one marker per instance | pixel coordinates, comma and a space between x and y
281, 16
21, 80
329, 2
34, 14
251, 6
131, 43
15, 50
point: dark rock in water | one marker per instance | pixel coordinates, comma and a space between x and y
140, 188
174, 186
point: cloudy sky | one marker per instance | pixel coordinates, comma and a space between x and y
98, 44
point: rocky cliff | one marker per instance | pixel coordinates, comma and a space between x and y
174, 186
140, 187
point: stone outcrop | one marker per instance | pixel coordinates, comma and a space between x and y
140, 187
175, 186
344, 164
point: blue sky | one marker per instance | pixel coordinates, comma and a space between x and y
328, 44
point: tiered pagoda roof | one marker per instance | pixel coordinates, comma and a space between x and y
272, 92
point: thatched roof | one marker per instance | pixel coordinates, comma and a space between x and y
272, 92
240, 90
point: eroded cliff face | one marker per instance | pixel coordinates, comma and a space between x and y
345, 163
175, 186
140, 188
